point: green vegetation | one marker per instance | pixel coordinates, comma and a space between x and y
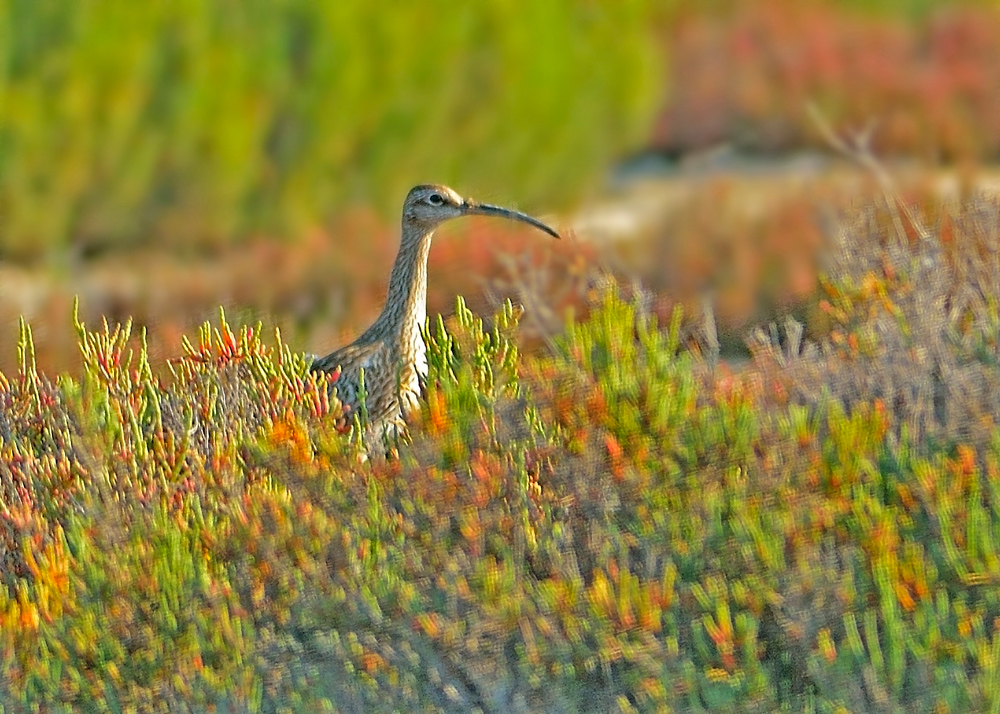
200, 123
607, 527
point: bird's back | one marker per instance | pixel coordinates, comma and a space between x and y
391, 384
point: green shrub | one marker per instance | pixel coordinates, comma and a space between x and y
204, 123
603, 527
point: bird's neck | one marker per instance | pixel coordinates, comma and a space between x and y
405, 308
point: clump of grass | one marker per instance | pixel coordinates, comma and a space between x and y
610, 525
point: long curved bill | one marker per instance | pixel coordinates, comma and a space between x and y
486, 209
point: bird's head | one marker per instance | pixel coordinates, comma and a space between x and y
429, 205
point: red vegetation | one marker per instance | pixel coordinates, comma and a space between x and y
932, 87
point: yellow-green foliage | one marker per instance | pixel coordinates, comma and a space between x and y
203, 122
599, 529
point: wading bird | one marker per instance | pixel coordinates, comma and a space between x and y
391, 354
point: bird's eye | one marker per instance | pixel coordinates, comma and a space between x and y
435, 199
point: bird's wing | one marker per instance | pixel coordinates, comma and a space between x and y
351, 359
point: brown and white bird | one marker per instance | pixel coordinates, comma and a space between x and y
391, 353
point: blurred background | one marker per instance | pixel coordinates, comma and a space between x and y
161, 159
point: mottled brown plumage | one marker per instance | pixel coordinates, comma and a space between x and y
391, 352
